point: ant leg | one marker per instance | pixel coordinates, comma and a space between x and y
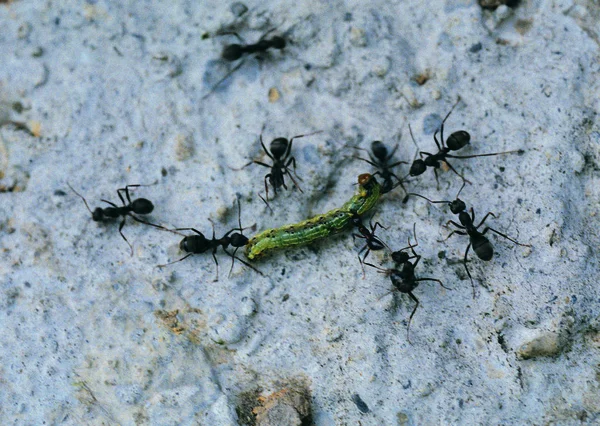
421, 153
380, 269
261, 164
266, 34
170, 263
112, 204
397, 163
265, 201
364, 159
293, 180
233, 33
268, 176
121, 197
505, 236
232, 260
301, 136
437, 180
243, 167
440, 147
451, 234
137, 219
218, 83
412, 296
126, 189
361, 261
190, 229
455, 224
265, 149
122, 235
292, 160
374, 227
391, 154
467, 269
244, 262
514, 151
436, 280
484, 218
216, 263
418, 259
454, 170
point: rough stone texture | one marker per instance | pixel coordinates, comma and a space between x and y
114, 93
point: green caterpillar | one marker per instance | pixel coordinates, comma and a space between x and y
319, 226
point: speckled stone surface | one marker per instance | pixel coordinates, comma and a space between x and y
102, 94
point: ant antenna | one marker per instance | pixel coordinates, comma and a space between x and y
425, 198
460, 190
80, 196
415, 142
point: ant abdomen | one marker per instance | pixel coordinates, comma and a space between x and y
418, 167
483, 248
232, 52
379, 149
194, 244
278, 42
142, 206
458, 140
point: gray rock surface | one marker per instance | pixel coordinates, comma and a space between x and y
114, 93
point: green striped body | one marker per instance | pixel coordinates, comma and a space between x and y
319, 226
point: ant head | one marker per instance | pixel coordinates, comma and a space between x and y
379, 150
400, 257
278, 42
457, 140
232, 52
97, 214
142, 206
238, 240
457, 206
356, 220
278, 147
367, 181
418, 167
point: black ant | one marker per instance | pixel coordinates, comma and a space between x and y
455, 141
403, 275
371, 241
137, 206
233, 52
280, 154
482, 246
381, 161
197, 244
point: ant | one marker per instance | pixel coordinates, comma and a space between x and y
403, 275
197, 244
381, 161
455, 141
137, 206
372, 242
482, 246
233, 52
280, 154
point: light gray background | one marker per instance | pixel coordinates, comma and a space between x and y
92, 335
